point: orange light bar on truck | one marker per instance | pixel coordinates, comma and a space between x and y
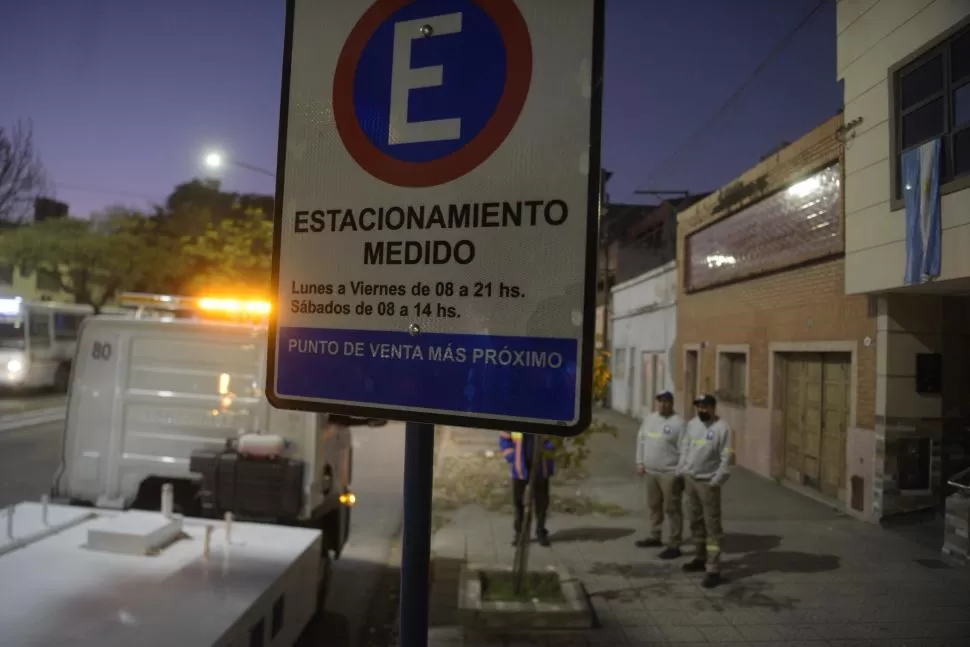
235, 306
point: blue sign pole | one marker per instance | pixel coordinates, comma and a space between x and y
416, 542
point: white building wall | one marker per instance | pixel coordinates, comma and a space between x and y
644, 325
874, 35
600, 321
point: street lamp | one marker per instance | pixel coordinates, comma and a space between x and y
216, 160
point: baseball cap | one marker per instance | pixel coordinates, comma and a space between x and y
706, 399
665, 395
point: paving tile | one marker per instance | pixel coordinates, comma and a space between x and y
646, 635
759, 633
672, 618
683, 634
799, 632
722, 634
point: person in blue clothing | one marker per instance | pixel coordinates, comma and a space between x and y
518, 450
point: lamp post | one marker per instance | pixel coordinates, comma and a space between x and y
216, 160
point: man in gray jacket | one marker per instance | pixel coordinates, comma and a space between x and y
705, 465
658, 454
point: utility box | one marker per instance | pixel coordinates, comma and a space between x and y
134, 533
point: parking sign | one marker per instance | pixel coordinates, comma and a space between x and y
436, 215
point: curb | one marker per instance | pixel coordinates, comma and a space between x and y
30, 418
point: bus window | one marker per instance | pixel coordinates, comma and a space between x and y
66, 326
40, 329
12, 334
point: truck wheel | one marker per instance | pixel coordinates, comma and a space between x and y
62, 378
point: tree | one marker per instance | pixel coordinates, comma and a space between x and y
231, 254
602, 375
21, 173
92, 260
567, 453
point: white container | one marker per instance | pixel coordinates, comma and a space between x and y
261, 445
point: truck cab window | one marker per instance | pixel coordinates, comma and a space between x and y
12, 334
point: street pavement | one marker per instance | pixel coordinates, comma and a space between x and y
30, 456
799, 573
11, 404
365, 576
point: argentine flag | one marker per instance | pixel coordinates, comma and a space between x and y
924, 228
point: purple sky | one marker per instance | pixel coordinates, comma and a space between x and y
125, 95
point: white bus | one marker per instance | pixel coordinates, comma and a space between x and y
38, 340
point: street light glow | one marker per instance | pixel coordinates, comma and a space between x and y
216, 160
213, 160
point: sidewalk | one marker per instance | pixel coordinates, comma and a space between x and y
798, 573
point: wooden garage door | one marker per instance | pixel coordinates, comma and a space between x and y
816, 420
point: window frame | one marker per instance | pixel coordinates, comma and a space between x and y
50, 279
725, 392
619, 363
75, 328
35, 315
938, 46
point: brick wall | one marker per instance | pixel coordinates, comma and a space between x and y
800, 304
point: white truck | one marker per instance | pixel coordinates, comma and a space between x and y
189, 511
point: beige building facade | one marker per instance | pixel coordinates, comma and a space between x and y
905, 66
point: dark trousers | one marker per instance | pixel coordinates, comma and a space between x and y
540, 503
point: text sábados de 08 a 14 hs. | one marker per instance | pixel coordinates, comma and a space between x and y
408, 300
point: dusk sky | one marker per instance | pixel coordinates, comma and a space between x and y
126, 95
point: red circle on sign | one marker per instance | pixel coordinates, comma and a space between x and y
518, 78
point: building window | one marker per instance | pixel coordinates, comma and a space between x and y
66, 326
48, 280
914, 465
800, 223
931, 99
39, 329
619, 364
733, 378
654, 377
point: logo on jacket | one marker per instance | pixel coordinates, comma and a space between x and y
667, 430
710, 434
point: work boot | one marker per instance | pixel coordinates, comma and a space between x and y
670, 552
695, 566
711, 580
542, 536
649, 542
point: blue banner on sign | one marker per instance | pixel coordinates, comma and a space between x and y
521, 377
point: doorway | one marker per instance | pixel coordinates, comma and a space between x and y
817, 409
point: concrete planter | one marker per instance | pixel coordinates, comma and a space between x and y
513, 618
